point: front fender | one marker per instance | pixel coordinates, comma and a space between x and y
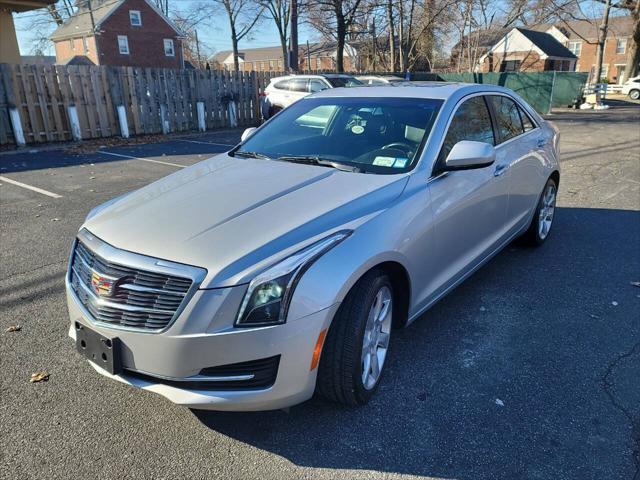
330, 278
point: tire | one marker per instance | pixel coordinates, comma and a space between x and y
341, 374
634, 94
539, 229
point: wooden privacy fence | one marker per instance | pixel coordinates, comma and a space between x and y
52, 103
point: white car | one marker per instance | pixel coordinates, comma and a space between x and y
283, 91
380, 79
632, 88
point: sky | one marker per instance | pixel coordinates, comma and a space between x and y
216, 35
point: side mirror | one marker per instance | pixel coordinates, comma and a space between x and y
247, 133
467, 154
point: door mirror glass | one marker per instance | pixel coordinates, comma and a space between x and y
468, 154
247, 133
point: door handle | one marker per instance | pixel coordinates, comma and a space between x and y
500, 169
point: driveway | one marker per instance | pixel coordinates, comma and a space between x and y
529, 370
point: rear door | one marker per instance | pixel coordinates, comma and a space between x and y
298, 88
519, 152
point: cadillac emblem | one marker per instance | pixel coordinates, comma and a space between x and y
102, 285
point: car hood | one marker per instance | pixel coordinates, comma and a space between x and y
236, 216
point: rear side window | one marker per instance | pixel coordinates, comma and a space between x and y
282, 85
526, 120
298, 84
470, 122
507, 117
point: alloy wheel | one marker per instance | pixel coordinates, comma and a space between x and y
547, 209
376, 337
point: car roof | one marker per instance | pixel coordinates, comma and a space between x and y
435, 90
311, 75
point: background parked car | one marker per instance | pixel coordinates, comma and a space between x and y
379, 79
632, 88
283, 91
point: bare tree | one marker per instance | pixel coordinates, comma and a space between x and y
243, 15
633, 50
279, 11
334, 19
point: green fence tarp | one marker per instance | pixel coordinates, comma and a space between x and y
542, 90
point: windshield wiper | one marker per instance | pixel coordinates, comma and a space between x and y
242, 153
323, 162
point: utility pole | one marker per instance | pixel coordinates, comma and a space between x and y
308, 57
602, 38
375, 41
293, 40
93, 21
198, 51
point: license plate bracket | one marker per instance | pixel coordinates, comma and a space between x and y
101, 350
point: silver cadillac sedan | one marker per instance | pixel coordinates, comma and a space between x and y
281, 268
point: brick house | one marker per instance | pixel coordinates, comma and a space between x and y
269, 59
581, 37
523, 50
121, 32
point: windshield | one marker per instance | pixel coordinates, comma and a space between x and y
375, 135
343, 82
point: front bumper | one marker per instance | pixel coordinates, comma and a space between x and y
202, 337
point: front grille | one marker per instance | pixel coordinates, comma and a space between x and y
138, 298
263, 375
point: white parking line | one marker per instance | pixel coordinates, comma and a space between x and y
143, 159
29, 187
207, 143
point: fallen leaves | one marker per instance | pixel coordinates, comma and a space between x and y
39, 377
13, 328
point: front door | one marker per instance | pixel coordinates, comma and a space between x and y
469, 206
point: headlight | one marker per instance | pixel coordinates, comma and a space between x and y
269, 294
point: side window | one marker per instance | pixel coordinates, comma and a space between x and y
526, 120
282, 85
298, 85
507, 117
316, 85
470, 122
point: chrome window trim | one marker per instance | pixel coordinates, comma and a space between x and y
139, 262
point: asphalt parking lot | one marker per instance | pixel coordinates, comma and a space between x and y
529, 370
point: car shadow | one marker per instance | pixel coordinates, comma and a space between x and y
501, 379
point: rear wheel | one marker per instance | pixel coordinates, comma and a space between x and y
543, 216
634, 94
355, 352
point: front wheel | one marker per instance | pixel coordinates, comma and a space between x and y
634, 94
543, 216
354, 354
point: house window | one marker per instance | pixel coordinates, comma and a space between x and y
318, 63
123, 44
575, 48
621, 46
72, 44
135, 18
272, 64
510, 66
168, 48
85, 44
